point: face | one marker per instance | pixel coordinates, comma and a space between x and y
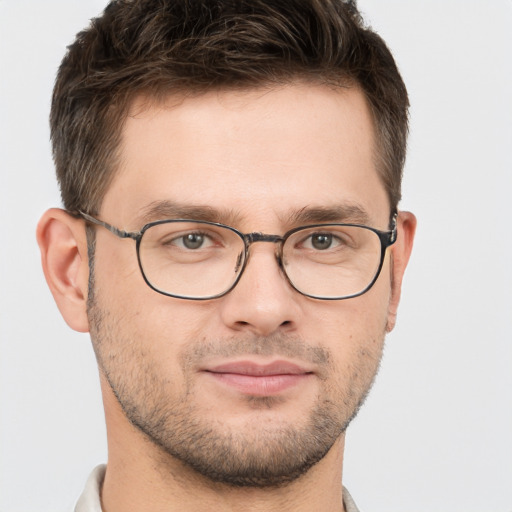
253, 388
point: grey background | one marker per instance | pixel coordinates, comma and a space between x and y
436, 433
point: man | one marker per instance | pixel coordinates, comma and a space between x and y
230, 173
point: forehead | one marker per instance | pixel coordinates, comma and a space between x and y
252, 152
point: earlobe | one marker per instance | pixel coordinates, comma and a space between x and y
63, 245
401, 252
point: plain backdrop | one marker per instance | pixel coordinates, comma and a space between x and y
436, 433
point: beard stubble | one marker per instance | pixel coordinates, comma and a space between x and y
260, 455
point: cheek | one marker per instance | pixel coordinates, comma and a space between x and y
145, 328
353, 331
351, 321
116, 270
357, 352
119, 281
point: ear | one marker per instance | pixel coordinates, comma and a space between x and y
63, 246
400, 253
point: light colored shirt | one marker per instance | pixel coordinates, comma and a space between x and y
90, 501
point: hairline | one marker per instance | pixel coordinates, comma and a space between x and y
145, 99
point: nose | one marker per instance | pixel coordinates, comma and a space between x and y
263, 302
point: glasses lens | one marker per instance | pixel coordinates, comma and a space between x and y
332, 261
191, 259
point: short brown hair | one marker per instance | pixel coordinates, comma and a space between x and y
159, 47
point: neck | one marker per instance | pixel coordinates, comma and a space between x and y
136, 483
142, 478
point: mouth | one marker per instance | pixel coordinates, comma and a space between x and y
255, 379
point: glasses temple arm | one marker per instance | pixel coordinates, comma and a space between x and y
118, 232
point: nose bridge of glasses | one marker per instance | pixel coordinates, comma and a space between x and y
250, 238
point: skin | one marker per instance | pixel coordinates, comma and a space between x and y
257, 158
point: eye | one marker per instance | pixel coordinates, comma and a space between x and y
321, 241
191, 241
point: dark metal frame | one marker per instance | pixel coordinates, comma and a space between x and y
387, 238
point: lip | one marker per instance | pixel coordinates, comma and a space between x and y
256, 379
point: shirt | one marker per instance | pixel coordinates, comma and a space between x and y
90, 501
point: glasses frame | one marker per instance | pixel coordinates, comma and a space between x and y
387, 238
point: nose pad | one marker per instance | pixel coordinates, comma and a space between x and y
278, 254
279, 258
263, 301
239, 260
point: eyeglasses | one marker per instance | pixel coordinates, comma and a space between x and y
201, 260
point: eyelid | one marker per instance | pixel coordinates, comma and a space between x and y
305, 235
336, 231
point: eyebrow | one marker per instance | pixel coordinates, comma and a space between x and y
165, 209
343, 213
